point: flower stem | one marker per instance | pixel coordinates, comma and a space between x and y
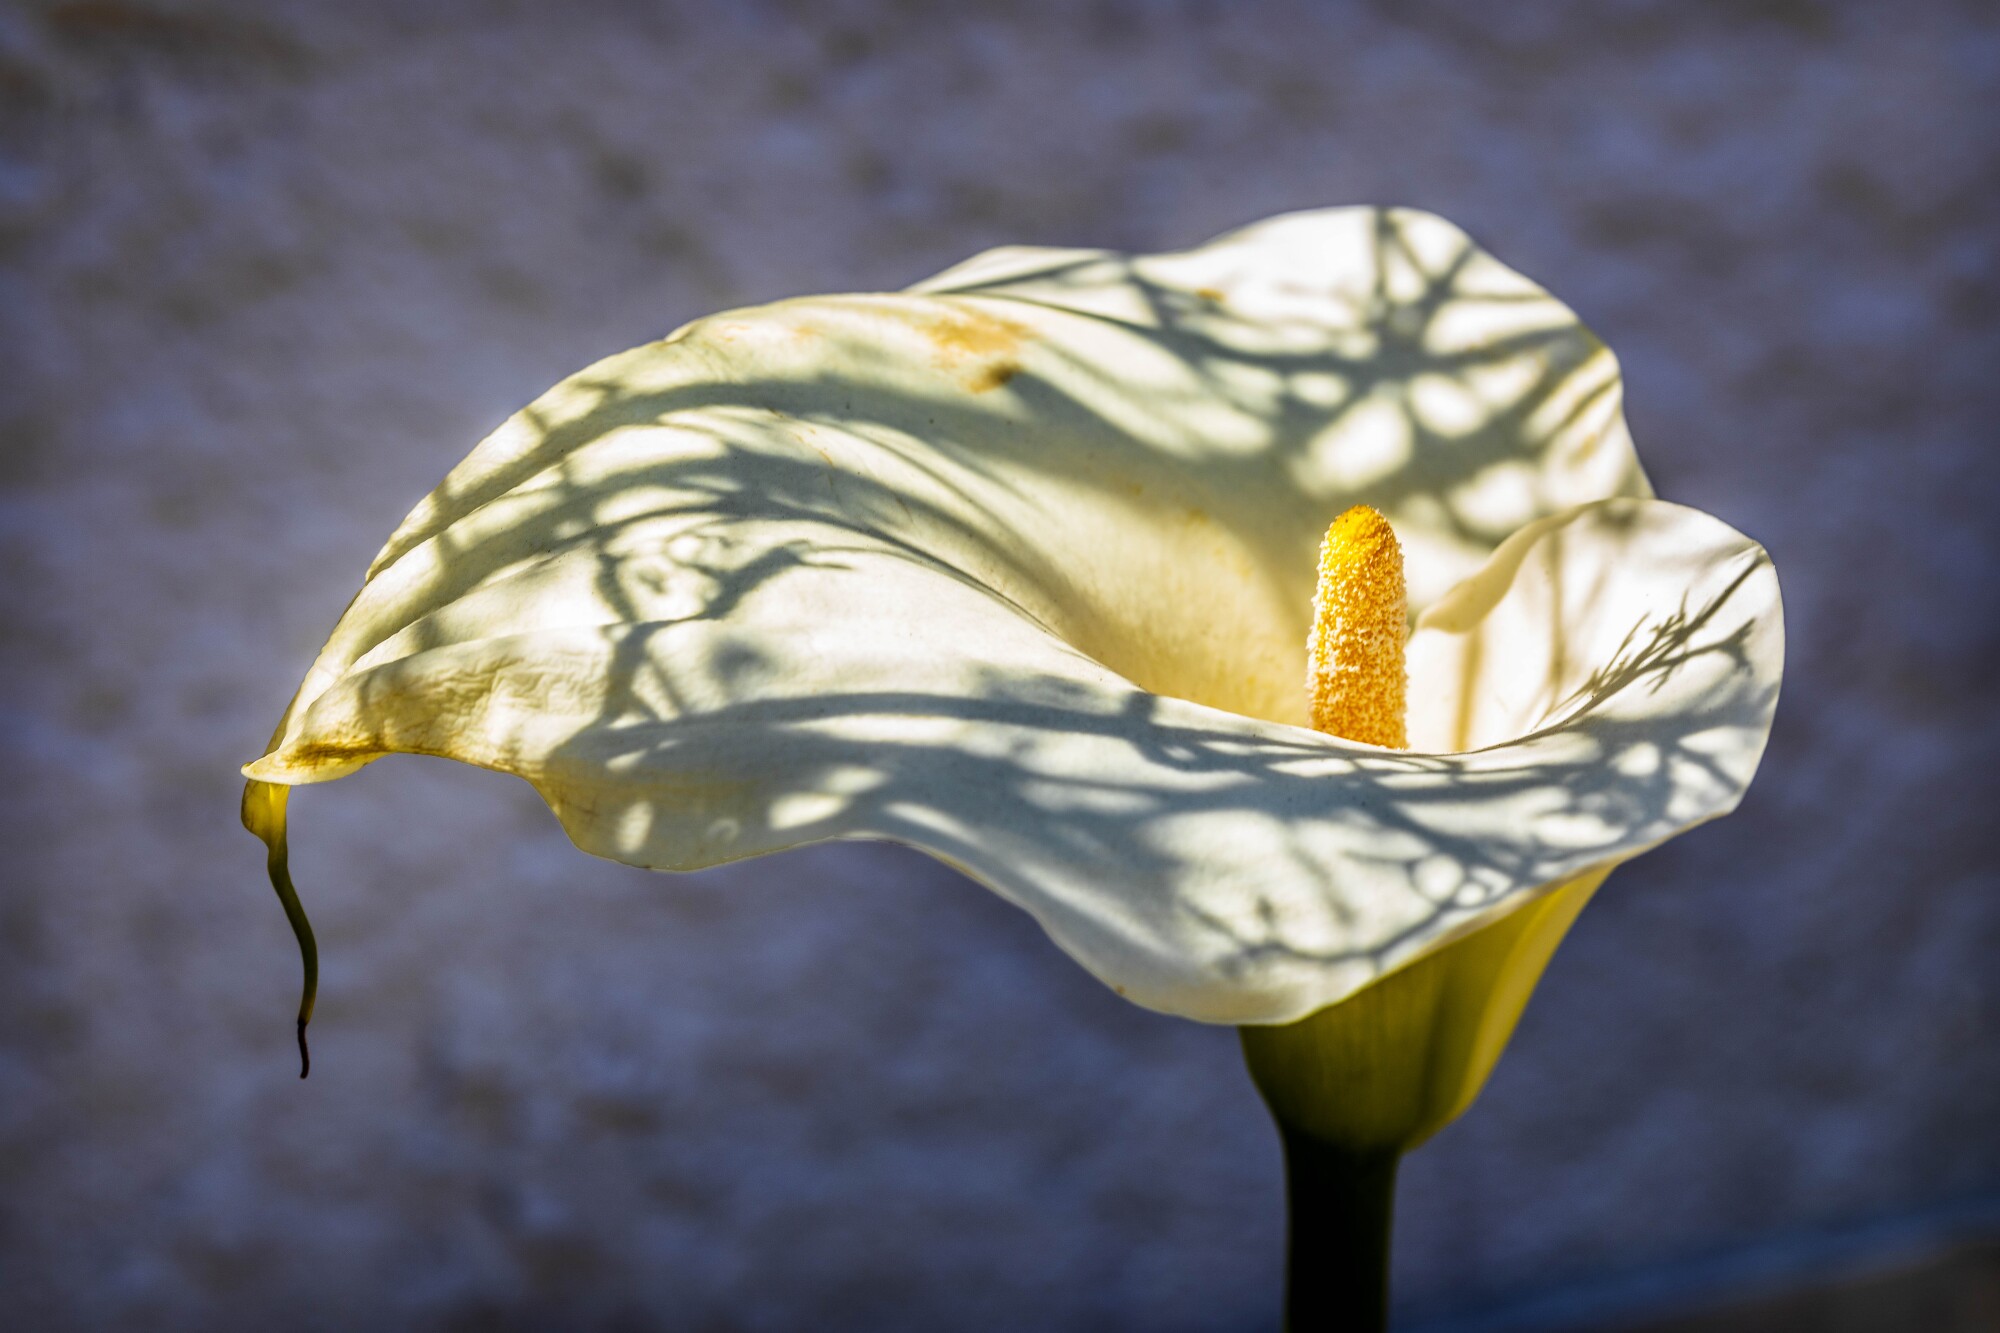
1340, 1203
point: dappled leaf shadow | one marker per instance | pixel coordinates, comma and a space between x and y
713, 597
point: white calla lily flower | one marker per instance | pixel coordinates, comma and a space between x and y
1016, 567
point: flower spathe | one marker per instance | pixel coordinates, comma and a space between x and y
1017, 568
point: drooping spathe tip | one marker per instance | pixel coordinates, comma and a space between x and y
1355, 676
264, 815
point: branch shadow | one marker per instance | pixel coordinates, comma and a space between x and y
837, 453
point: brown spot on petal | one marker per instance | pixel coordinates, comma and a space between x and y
977, 349
993, 376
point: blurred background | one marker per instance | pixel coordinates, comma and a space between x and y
268, 269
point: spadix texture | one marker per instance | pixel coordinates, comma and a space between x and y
1017, 568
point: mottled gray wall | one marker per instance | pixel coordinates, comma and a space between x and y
268, 269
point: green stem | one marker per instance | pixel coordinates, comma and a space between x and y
1340, 1203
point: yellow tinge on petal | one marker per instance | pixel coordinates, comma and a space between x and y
1397, 1061
1355, 671
1389, 1066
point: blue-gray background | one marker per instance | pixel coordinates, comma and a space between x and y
268, 269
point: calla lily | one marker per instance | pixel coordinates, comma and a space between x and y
1016, 567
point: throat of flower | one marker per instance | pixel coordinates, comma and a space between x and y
1355, 676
